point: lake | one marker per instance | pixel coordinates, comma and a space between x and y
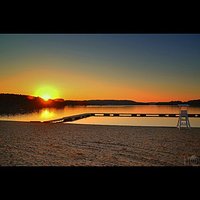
52, 113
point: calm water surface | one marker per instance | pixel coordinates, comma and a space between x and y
52, 113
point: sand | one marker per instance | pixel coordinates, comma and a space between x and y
41, 144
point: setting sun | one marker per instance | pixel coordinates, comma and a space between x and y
46, 97
47, 92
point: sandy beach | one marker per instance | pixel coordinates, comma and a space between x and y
42, 144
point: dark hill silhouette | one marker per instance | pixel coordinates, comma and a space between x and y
112, 102
191, 103
15, 103
194, 102
103, 102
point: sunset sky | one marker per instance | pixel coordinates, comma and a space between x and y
139, 67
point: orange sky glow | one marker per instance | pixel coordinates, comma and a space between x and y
143, 68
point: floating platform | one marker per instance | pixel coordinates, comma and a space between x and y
85, 115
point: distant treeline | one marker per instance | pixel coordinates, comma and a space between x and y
14, 103
103, 102
191, 103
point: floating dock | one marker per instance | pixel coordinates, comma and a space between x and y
85, 115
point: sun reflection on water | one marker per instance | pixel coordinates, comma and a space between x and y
47, 114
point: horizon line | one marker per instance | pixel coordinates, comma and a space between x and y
103, 99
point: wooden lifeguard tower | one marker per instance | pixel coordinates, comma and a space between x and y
183, 116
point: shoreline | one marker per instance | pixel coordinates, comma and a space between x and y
69, 123
67, 144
